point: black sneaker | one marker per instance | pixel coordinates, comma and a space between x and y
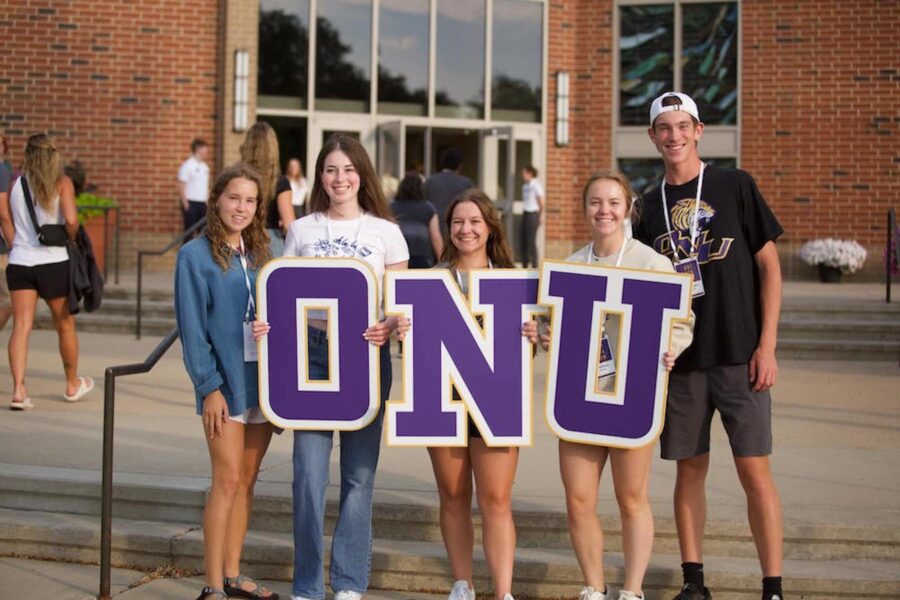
692, 591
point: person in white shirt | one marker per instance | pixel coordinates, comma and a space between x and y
299, 186
37, 270
193, 183
349, 218
532, 215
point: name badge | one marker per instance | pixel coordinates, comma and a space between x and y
607, 361
250, 347
692, 266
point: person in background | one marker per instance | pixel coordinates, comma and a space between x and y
193, 183
532, 216
299, 187
215, 284
36, 270
259, 150
445, 185
419, 223
5, 181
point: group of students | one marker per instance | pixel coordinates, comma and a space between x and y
726, 240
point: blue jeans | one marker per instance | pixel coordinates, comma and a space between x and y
351, 546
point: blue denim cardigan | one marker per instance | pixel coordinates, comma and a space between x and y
209, 307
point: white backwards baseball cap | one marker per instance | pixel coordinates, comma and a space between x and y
673, 101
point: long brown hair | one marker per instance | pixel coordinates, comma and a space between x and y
43, 166
497, 248
255, 236
370, 196
259, 151
632, 207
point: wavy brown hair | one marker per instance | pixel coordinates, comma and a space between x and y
256, 238
497, 248
370, 196
43, 166
259, 151
633, 207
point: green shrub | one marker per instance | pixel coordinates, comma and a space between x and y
88, 199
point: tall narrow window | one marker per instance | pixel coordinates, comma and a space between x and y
645, 58
709, 60
403, 57
460, 58
343, 55
517, 59
283, 52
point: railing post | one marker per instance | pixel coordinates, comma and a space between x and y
140, 294
105, 244
109, 396
118, 219
889, 253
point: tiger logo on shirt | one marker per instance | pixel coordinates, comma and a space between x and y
682, 216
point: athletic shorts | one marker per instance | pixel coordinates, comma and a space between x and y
50, 281
694, 397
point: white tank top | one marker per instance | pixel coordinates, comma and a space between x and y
27, 251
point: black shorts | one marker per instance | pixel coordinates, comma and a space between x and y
50, 281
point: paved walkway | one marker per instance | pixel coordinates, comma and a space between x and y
837, 441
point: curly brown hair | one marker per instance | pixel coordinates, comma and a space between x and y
255, 236
370, 196
259, 151
497, 248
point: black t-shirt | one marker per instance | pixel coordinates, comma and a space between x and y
272, 218
735, 223
413, 217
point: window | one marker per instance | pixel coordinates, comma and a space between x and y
460, 58
517, 58
343, 55
683, 46
646, 173
403, 57
283, 52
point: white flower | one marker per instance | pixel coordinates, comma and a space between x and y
846, 255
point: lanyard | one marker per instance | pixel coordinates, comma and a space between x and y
459, 279
592, 256
251, 305
694, 221
355, 239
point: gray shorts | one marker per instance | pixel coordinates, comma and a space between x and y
692, 399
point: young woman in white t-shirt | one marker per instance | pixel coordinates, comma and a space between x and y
607, 200
36, 270
349, 218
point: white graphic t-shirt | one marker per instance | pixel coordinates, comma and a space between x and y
376, 241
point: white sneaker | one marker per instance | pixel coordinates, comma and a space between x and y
508, 596
626, 595
347, 595
461, 591
589, 593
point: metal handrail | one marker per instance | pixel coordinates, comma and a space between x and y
891, 252
106, 210
186, 234
109, 401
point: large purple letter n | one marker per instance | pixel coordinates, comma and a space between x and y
343, 290
647, 302
490, 366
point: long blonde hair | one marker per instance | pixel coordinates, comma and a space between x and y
43, 167
259, 150
255, 236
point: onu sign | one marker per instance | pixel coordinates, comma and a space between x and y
490, 364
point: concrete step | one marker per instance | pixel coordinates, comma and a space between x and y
837, 349
181, 499
422, 566
103, 323
840, 329
861, 311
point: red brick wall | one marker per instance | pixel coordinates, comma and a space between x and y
123, 86
581, 43
820, 118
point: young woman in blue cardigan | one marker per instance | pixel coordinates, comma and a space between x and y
215, 283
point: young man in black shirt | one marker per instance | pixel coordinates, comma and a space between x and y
715, 224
